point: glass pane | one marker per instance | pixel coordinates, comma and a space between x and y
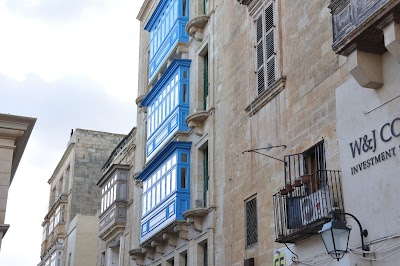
174, 160
184, 157
144, 204
162, 188
183, 177
173, 180
176, 95
115, 191
184, 94
168, 189
163, 169
153, 196
168, 165
148, 199
158, 193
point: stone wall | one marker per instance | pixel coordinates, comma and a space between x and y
92, 149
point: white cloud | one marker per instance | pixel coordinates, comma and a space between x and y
99, 44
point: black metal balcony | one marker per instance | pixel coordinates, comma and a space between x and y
357, 24
304, 204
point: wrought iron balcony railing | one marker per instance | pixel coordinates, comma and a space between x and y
304, 205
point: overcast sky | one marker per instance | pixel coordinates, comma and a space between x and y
70, 64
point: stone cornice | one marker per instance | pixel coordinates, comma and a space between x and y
20, 129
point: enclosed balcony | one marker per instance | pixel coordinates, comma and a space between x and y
114, 191
168, 106
54, 230
167, 29
166, 189
357, 24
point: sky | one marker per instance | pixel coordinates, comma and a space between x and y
70, 64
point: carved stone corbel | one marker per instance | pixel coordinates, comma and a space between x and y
171, 239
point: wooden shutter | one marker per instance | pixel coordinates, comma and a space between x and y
266, 52
260, 55
270, 44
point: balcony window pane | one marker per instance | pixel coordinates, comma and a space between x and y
148, 199
184, 158
115, 192
176, 96
162, 188
173, 180
144, 204
174, 160
158, 195
153, 197
183, 177
184, 96
168, 180
168, 165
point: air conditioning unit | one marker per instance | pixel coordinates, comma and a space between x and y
315, 206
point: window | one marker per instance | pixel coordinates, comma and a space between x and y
251, 222
108, 194
205, 175
314, 162
205, 254
205, 80
205, 7
265, 49
160, 185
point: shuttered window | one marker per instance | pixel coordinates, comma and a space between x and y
265, 49
251, 222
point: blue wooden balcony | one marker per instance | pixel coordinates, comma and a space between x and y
166, 189
168, 106
167, 27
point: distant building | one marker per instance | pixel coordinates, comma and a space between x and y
14, 134
70, 227
116, 207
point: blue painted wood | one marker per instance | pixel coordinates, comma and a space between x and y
172, 207
167, 27
177, 96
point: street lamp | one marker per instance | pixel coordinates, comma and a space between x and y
335, 235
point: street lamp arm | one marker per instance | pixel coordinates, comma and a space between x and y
363, 233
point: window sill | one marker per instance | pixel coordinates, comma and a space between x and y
266, 96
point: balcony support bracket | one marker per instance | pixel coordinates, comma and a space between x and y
392, 39
366, 69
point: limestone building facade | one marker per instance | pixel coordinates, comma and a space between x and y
14, 135
70, 227
117, 218
256, 118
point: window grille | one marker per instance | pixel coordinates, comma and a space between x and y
251, 222
265, 49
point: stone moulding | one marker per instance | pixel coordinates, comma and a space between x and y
196, 26
266, 96
197, 118
195, 216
